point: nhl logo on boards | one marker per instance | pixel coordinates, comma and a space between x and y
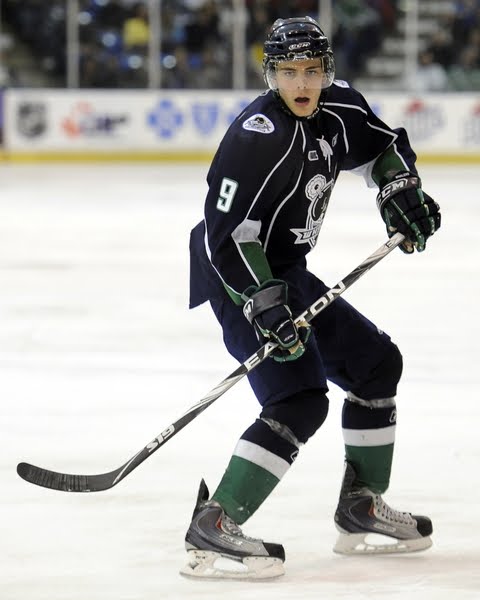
259, 123
31, 119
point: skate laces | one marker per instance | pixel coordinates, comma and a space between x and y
390, 514
227, 524
230, 527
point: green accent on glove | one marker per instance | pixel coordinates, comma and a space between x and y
419, 238
404, 207
267, 310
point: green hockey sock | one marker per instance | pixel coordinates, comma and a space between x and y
372, 465
369, 436
251, 475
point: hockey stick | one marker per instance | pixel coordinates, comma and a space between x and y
104, 481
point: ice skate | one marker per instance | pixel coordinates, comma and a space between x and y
368, 525
218, 549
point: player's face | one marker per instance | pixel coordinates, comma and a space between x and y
300, 84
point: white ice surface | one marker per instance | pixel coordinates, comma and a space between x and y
98, 354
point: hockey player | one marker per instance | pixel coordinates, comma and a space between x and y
269, 187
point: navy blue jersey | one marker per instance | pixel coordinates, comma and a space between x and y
270, 183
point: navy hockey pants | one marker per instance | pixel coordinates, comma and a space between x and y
344, 348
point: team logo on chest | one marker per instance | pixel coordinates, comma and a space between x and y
327, 150
318, 191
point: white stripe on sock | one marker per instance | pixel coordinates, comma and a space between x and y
369, 437
261, 457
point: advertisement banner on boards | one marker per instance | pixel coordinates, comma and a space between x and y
435, 122
130, 121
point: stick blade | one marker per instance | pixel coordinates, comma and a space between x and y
65, 482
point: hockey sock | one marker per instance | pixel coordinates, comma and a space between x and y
260, 459
369, 436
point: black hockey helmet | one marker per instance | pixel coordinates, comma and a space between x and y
297, 38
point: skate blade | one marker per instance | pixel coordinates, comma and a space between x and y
373, 543
212, 565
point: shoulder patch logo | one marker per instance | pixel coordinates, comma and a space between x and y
341, 83
259, 123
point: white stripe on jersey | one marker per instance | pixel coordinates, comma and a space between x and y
280, 206
345, 139
275, 168
247, 231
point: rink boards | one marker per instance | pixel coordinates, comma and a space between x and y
137, 125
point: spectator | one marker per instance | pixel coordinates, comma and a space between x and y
358, 34
441, 47
466, 13
8, 74
136, 31
430, 76
100, 74
257, 28
203, 28
112, 30
111, 15
465, 75
177, 73
5, 72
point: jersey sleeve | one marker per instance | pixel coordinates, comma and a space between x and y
249, 172
372, 145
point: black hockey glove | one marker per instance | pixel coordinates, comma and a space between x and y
267, 310
406, 208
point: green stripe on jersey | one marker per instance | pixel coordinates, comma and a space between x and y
257, 264
237, 298
256, 259
387, 164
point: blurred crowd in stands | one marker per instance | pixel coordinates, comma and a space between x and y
196, 41
450, 58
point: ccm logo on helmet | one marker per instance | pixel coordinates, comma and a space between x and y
299, 46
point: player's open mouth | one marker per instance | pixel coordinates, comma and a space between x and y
302, 100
